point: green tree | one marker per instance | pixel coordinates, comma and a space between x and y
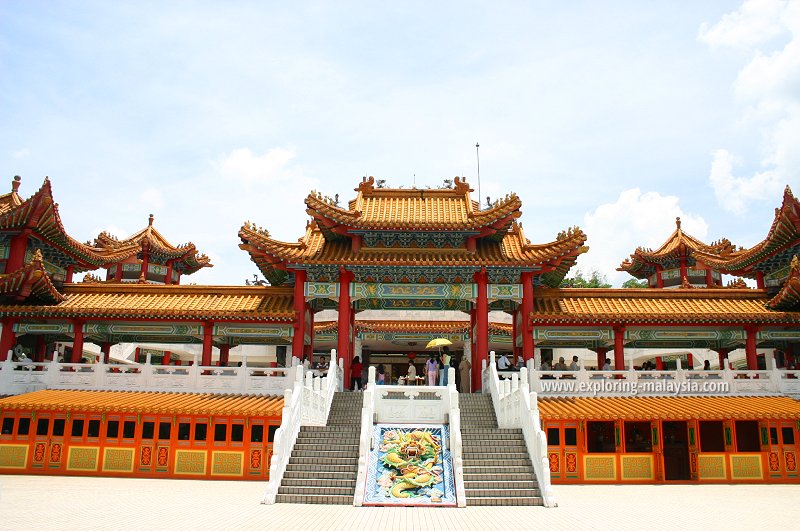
595, 279
635, 283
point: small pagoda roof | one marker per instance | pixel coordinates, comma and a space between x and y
647, 306
679, 244
788, 298
781, 243
513, 250
30, 282
154, 301
39, 213
150, 240
413, 209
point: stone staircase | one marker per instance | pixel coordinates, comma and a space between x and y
324, 461
497, 467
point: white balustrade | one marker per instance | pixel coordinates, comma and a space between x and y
516, 407
679, 382
307, 403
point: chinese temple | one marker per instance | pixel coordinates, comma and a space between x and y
377, 278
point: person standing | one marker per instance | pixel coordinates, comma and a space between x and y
381, 374
355, 374
432, 369
411, 377
444, 366
463, 370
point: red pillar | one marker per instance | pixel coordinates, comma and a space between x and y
659, 363
343, 335
309, 348
208, 343
709, 278
224, 352
118, 276
482, 327
165, 358
8, 338
689, 361
515, 350
760, 280
527, 310
619, 348
41, 349
105, 348
788, 351
659, 279
750, 347
601, 357
168, 277
137, 354
723, 355
298, 340
77, 342
684, 273
16, 251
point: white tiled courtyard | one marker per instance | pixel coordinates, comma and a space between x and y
58, 502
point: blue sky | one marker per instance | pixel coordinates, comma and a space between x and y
612, 116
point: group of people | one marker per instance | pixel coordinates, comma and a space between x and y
436, 367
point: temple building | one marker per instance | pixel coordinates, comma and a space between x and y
377, 278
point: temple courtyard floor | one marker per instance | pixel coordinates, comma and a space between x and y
58, 502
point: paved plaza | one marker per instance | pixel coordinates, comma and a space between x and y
58, 502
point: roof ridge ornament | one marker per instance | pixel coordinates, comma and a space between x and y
15, 183
150, 220
678, 222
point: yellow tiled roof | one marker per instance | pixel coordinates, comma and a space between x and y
641, 306
669, 408
424, 327
313, 248
145, 402
411, 208
174, 302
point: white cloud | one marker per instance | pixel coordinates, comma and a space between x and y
769, 88
244, 165
21, 153
636, 219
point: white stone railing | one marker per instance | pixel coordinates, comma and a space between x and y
307, 403
387, 404
726, 382
516, 407
18, 377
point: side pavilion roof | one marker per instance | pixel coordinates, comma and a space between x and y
171, 302
651, 306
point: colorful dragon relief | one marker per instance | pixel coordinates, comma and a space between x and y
409, 465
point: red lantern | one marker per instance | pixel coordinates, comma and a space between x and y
412, 355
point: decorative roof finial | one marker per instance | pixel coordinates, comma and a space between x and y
150, 221
678, 222
15, 183
37, 256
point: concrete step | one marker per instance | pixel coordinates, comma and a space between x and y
471, 461
499, 493
326, 454
334, 461
505, 501
316, 499
308, 490
477, 480
349, 475
322, 469
499, 484
328, 445
322, 482
498, 471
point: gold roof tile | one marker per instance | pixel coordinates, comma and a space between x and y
669, 408
146, 402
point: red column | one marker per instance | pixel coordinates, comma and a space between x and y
208, 343
709, 279
659, 279
601, 357
659, 363
514, 349
77, 342
309, 349
788, 351
16, 251
105, 348
689, 361
342, 337
473, 349
137, 354
760, 280
482, 325
8, 338
684, 273
750, 347
723, 355
118, 276
165, 358
168, 277
41, 349
224, 352
70, 273
527, 310
619, 348
298, 340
